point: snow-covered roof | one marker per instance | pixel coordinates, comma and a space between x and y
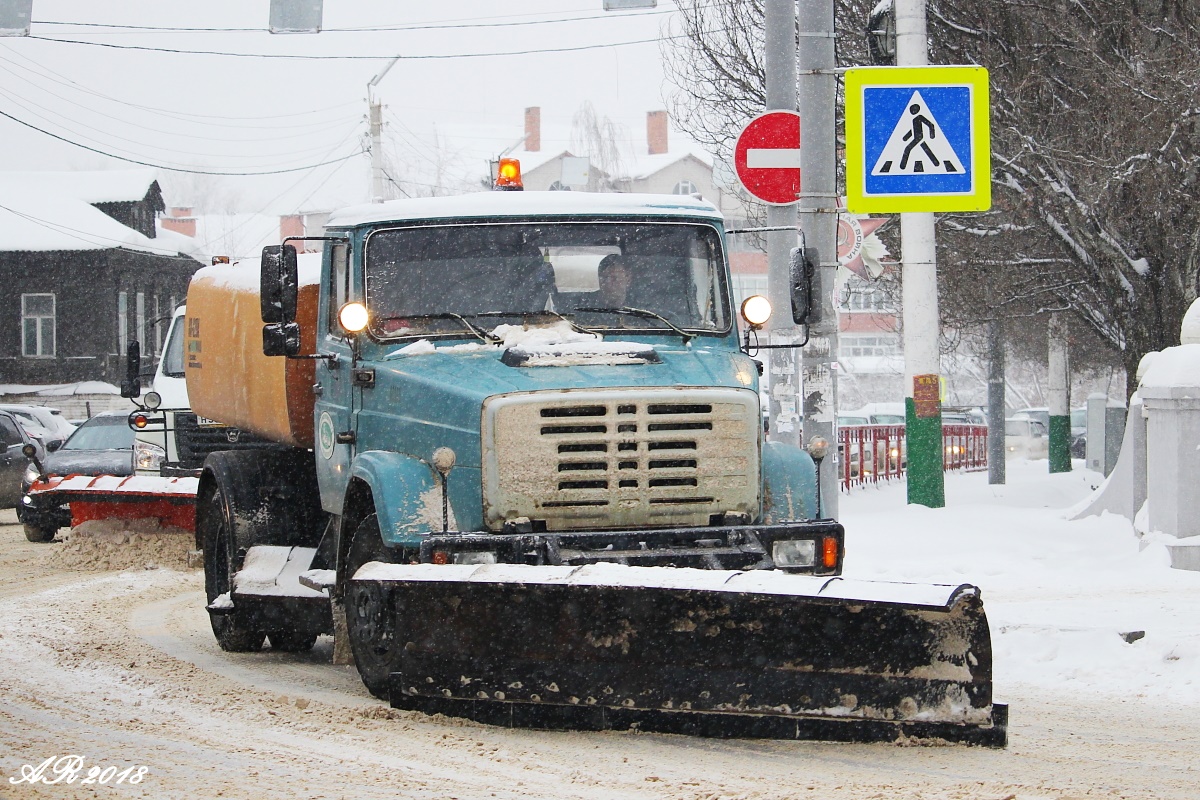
643, 166
96, 186
525, 204
59, 389
531, 161
35, 220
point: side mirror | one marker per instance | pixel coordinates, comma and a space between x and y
53, 445
278, 284
132, 385
800, 285
281, 339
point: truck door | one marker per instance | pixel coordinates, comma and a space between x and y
334, 407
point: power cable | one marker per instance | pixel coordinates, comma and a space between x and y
362, 29
310, 57
176, 169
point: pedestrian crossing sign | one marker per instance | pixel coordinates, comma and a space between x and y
917, 139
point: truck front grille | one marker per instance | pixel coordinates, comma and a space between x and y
621, 458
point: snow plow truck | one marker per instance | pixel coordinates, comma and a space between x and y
519, 473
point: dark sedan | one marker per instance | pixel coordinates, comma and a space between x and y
12, 460
103, 445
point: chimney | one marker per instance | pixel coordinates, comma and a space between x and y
533, 129
656, 132
292, 225
180, 220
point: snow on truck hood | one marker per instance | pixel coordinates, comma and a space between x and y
486, 205
553, 345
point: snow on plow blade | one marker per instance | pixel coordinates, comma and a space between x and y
703, 652
171, 501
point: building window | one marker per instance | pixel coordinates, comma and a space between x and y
685, 187
37, 325
122, 322
881, 345
141, 320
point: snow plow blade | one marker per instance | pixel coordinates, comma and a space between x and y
170, 501
757, 654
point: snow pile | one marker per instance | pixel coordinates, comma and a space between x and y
1065, 599
123, 544
1173, 368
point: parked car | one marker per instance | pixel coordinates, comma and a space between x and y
1078, 426
13, 439
104, 445
47, 425
1025, 437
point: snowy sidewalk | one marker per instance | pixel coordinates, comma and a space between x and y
1058, 593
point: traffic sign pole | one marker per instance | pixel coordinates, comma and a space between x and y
926, 482
818, 220
784, 375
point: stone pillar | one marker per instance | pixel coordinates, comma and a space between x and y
1170, 392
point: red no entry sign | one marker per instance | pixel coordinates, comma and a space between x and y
767, 157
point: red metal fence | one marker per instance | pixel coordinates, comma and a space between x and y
873, 453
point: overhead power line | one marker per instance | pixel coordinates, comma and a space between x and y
429, 26
177, 169
312, 57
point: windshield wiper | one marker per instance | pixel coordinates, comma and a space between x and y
482, 334
642, 312
526, 314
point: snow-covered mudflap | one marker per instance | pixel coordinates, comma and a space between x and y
703, 652
170, 501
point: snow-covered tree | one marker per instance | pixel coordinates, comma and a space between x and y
1095, 139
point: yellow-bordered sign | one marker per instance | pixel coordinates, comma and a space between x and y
917, 139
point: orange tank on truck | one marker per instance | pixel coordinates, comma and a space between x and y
229, 380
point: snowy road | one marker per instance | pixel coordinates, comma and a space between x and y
120, 667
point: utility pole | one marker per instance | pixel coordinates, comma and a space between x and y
995, 409
780, 59
818, 220
1060, 411
375, 120
922, 361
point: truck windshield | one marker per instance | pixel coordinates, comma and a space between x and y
172, 357
675, 270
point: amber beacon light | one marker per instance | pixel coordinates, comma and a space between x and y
508, 176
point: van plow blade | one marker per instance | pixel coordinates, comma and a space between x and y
170, 501
757, 654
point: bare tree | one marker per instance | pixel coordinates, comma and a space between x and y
1095, 150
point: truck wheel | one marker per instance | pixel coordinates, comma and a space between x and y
369, 621
37, 534
233, 635
292, 641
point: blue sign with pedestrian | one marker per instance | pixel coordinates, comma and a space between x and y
917, 139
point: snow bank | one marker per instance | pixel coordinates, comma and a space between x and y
1059, 594
114, 544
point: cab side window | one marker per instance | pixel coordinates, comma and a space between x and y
339, 284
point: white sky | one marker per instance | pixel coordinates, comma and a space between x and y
230, 114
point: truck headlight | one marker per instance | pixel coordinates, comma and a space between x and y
148, 457
794, 553
31, 475
477, 557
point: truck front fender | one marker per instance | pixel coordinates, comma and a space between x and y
789, 484
407, 493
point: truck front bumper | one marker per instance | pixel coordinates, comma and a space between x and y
821, 543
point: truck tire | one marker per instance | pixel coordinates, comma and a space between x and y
35, 533
214, 524
370, 623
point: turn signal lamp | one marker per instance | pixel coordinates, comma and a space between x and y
508, 176
140, 421
441, 557
353, 317
756, 310
829, 552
